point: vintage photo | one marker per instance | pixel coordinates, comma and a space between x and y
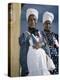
33, 40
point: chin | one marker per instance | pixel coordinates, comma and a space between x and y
33, 27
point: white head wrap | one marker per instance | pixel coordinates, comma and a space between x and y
31, 11
48, 16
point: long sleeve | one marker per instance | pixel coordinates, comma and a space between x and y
55, 41
24, 46
22, 39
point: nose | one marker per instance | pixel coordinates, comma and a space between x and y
48, 25
33, 21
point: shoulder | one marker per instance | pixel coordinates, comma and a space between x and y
24, 34
55, 35
42, 33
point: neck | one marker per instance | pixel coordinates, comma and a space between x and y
32, 30
47, 30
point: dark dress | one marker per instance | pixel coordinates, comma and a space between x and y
48, 36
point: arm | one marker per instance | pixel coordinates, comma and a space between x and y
22, 39
55, 42
24, 46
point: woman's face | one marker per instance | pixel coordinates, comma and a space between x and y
47, 25
32, 21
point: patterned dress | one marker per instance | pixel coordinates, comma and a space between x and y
49, 38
